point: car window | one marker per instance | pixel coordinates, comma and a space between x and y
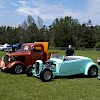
36, 49
25, 48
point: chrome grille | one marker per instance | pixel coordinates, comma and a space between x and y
37, 67
6, 60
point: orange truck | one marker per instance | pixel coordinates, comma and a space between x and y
17, 62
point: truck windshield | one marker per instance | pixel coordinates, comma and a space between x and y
25, 48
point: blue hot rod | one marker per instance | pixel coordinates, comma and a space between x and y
63, 66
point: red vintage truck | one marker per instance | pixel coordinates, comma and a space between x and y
18, 61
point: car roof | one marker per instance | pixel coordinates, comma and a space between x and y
31, 44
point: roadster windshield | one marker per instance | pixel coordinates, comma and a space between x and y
57, 56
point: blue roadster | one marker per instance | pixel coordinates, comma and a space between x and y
63, 66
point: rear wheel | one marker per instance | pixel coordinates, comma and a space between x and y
29, 70
46, 75
93, 71
18, 69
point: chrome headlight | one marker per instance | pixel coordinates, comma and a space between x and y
9, 59
34, 65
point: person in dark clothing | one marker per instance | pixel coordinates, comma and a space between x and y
70, 51
13, 48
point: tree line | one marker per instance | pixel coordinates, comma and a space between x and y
61, 33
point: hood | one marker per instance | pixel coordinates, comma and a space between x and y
19, 53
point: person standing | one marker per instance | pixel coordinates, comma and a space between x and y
70, 51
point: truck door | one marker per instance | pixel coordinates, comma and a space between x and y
36, 54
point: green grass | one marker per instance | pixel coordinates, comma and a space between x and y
21, 87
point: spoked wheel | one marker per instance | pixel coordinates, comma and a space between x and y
46, 75
18, 69
93, 71
29, 70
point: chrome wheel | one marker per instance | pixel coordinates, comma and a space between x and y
93, 71
18, 69
47, 75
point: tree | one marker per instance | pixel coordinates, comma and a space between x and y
28, 30
40, 23
30, 20
61, 32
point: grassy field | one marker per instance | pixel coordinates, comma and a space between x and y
21, 87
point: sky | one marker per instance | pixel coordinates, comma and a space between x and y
14, 12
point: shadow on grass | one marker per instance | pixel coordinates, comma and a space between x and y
72, 76
9, 71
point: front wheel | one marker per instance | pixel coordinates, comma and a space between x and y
18, 69
93, 71
29, 70
46, 75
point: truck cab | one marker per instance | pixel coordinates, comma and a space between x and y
18, 61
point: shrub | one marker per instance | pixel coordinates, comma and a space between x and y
97, 46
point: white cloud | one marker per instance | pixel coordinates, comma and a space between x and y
24, 3
94, 5
91, 12
28, 11
56, 11
14, 4
47, 11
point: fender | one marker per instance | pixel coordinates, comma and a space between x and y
89, 65
10, 65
